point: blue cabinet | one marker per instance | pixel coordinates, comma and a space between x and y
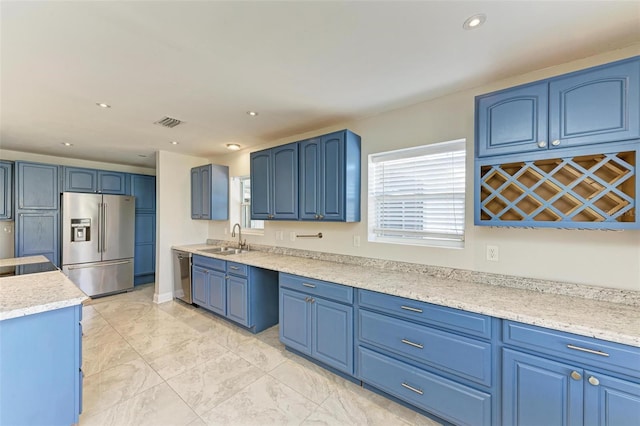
77, 179
210, 192
6, 190
330, 177
552, 377
143, 188
246, 295
315, 325
37, 210
592, 106
274, 183
40, 372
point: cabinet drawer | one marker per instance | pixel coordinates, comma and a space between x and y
440, 316
452, 401
600, 353
209, 262
337, 292
468, 358
239, 269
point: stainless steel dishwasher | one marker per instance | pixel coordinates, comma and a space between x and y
182, 275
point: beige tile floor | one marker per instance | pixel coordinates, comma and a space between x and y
173, 364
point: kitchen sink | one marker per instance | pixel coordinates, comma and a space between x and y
224, 251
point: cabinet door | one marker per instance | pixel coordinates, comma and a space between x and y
295, 320
205, 192
80, 180
6, 190
112, 182
285, 182
37, 233
200, 286
238, 300
537, 391
595, 106
512, 121
609, 401
144, 253
332, 177
144, 189
332, 334
260, 184
217, 301
37, 186
196, 194
310, 179
144, 259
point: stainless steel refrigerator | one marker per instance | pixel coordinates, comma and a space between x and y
98, 241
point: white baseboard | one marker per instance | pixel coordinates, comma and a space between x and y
163, 297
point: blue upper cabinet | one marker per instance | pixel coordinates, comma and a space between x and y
78, 179
330, 177
511, 121
37, 186
592, 106
6, 190
143, 187
210, 192
274, 183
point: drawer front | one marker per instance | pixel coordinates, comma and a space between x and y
209, 262
468, 358
452, 401
337, 292
614, 356
440, 316
239, 269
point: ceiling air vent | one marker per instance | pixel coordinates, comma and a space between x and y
168, 122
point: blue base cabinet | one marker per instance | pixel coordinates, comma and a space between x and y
316, 319
6, 190
555, 378
40, 372
143, 188
246, 295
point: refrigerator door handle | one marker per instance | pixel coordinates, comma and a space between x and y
96, 265
99, 227
104, 228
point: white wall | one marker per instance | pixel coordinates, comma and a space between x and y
608, 259
173, 215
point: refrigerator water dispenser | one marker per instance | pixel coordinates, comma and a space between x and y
80, 230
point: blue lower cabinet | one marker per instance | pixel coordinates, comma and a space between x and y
40, 375
38, 233
610, 401
538, 391
246, 295
317, 326
447, 399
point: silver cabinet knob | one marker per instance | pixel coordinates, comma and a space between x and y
594, 381
556, 142
575, 375
542, 144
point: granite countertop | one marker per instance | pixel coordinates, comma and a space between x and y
614, 322
22, 295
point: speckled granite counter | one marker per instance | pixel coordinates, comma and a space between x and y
615, 322
34, 293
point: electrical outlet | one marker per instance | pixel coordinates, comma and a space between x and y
493, 253
292, 236
356, 240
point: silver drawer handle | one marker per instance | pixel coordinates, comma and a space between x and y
410, 343
309, 285
411, 388
591, 351
409, 308
234, 267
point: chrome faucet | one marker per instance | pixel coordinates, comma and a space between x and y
241, 244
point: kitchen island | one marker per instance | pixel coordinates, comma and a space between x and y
40, 346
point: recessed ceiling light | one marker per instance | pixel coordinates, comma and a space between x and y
174, 142
103, 105
252, 113
474, 21
67, 144
233, 146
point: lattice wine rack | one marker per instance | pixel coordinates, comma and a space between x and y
579, 190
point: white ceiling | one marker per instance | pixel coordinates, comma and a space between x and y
303, 65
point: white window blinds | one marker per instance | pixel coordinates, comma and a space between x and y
416, 195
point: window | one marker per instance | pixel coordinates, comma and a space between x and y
241, 204
416, 195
